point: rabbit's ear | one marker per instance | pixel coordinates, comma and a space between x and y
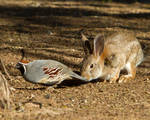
86, 44
98, 45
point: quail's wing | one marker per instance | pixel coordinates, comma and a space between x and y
45, 71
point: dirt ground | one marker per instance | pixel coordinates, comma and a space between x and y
50, 29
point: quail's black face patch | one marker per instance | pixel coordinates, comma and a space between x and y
20, 67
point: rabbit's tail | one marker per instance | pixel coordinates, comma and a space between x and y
146, 50
146, 58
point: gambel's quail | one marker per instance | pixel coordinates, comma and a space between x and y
46, 71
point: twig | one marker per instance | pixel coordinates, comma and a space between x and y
4, 92
4, 68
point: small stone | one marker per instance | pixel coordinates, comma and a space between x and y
10, 39
33, 105
47, 96
50, 33
20, 108
85, 101
100, 90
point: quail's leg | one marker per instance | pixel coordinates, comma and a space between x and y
131, 69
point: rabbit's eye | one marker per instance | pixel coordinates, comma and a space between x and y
91, 66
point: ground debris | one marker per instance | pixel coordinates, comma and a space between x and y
4, 92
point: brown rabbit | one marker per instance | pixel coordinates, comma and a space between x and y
110, 55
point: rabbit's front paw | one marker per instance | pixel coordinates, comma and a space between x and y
114, 79
125, 78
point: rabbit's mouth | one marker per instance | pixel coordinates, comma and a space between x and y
87, 76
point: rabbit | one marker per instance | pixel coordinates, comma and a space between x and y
110, 55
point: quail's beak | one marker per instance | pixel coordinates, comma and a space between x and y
18, 65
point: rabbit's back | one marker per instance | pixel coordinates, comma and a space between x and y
125, 45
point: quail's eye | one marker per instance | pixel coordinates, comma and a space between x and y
91, 66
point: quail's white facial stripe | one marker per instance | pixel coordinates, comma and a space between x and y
25, 70
24, 67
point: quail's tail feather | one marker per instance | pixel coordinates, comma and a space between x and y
73, 74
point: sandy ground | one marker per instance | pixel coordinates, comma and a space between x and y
51, 30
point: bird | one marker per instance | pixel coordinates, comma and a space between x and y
48, 72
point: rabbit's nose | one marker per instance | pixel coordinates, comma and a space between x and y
86, 75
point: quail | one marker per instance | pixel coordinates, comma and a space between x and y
46, 71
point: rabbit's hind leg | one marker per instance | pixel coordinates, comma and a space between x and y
131, 69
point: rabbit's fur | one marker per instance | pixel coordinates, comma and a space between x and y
110, 55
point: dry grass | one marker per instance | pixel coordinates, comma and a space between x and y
4, 92
4, 87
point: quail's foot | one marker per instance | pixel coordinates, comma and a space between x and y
51, 88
